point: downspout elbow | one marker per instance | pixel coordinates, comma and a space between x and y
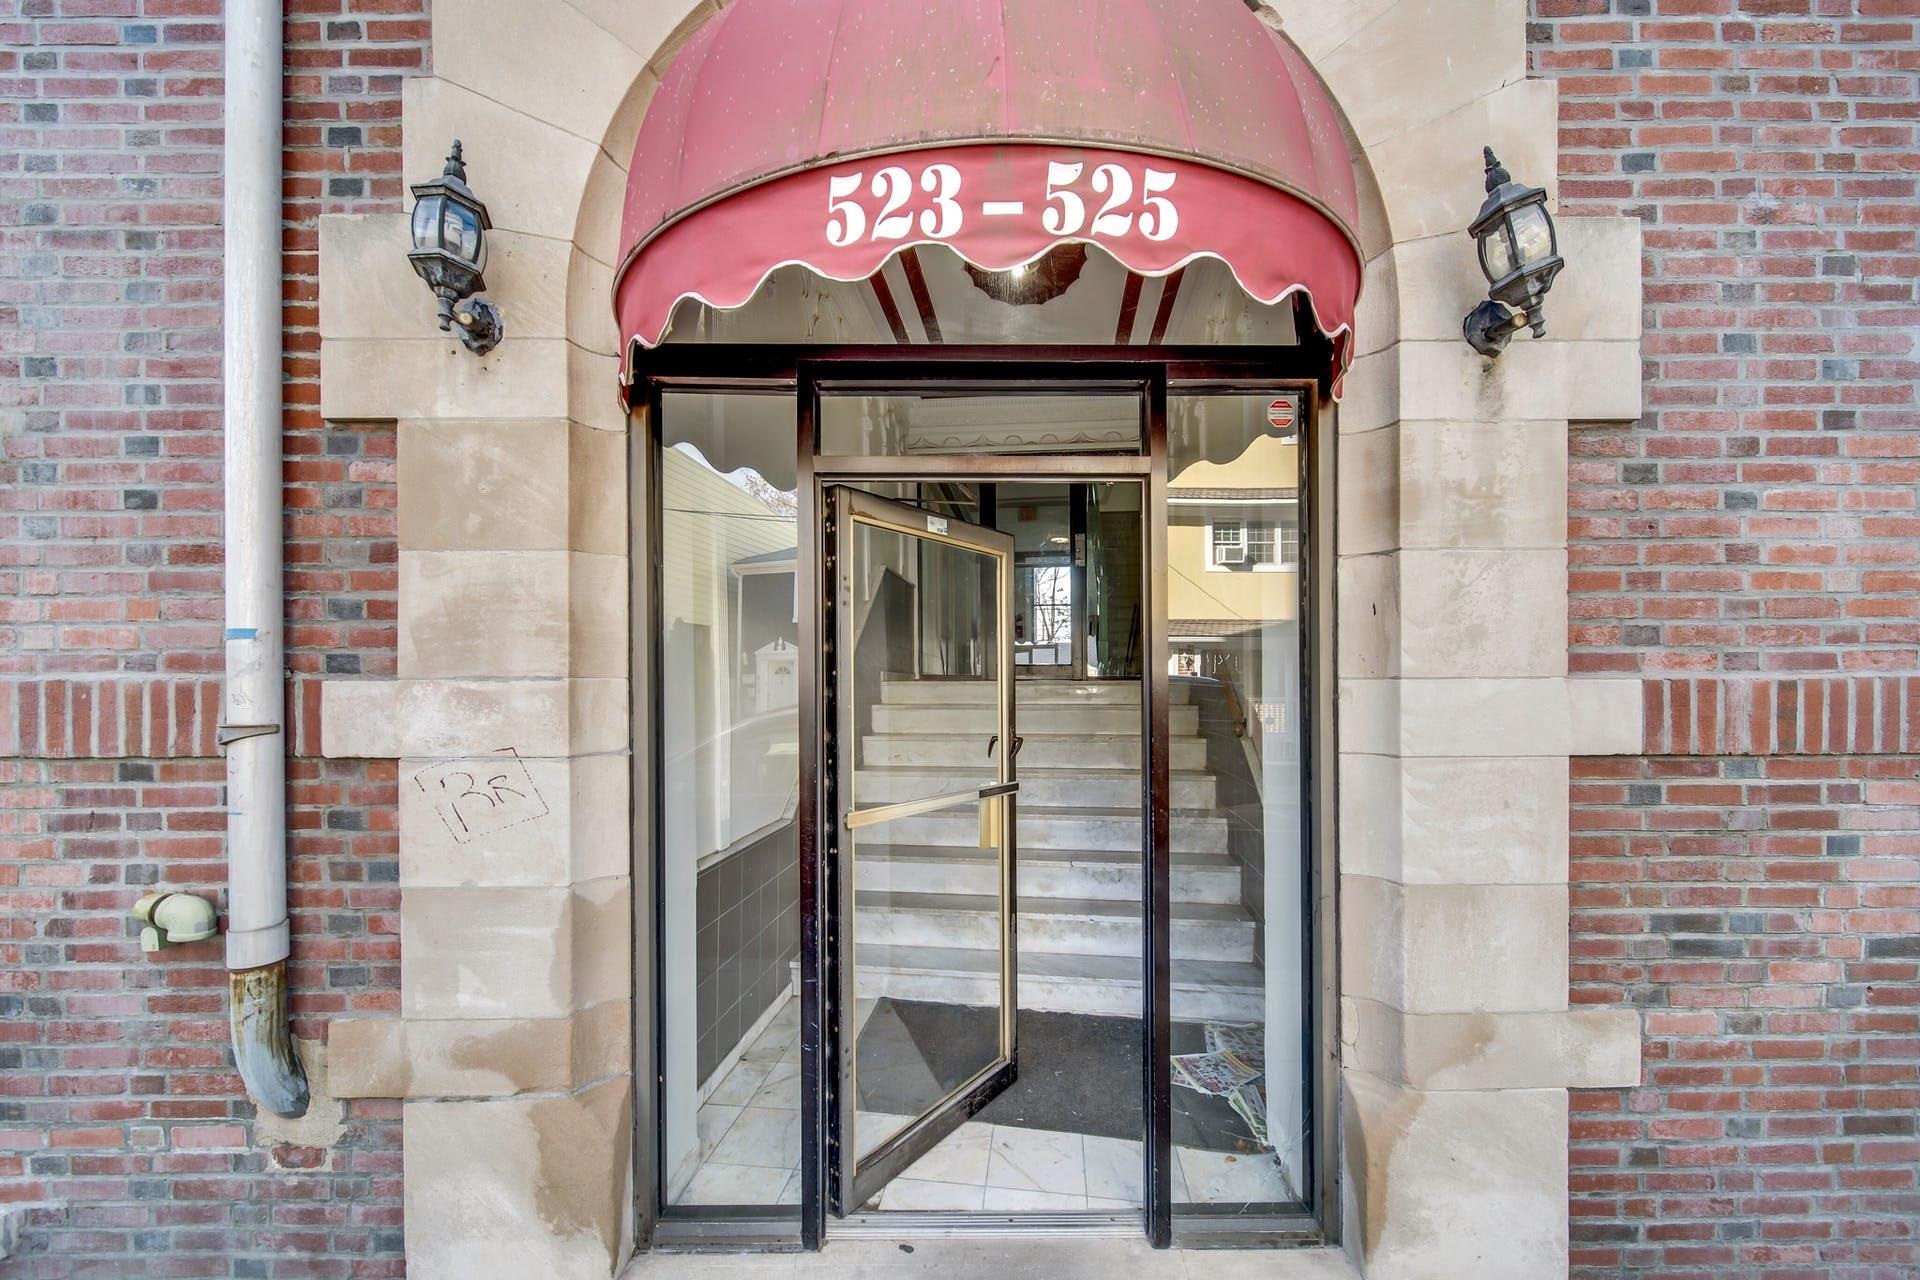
263, 1040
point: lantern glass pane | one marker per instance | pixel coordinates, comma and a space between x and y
1532, 234
1496, 251
426, 222
460, 229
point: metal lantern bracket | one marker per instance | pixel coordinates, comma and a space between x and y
1490, 326
481, 326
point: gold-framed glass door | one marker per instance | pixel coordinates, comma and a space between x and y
918, 670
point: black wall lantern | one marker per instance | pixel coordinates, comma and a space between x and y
449, 251
1520, 254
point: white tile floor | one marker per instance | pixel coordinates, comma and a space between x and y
750, 1143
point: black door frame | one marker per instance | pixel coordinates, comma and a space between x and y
819, 888
853, 1181
802, 371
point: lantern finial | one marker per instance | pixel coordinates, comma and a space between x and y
1497, 175
457, 167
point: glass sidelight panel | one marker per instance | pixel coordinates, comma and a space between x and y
728, 789
920, 680
1234, 605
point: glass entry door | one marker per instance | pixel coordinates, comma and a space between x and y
918, 680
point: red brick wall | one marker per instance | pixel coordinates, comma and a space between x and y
1762, 516
120, 1120
1752, 546
1764, 915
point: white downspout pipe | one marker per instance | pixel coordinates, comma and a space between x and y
253, 706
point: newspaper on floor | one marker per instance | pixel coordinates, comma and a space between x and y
1235, 1056
1233, 1067
1249, 1101
1217, 1074
1247, 1043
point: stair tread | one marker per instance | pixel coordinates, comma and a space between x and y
1030, 687
1212, 974
1202, 912
1044, 707
964, 853
1026, 732
1039, 773
1072, 813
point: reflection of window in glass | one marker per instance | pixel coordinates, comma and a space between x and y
1229, 542
1251, 543
1052, 606
1289, 543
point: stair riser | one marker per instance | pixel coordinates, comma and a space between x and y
978, 721
1059, 935
1103, 883
1027, 693
961, 829
1062, 995
1038, 753
879, 786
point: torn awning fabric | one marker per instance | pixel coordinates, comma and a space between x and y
836, 133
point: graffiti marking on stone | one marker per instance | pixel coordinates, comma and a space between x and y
478, 797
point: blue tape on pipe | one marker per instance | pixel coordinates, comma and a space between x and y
242, 633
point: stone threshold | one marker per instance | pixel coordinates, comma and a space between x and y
1001, 1257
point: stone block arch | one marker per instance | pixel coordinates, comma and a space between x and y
1454, 1041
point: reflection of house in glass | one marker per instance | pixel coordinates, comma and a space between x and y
765, 605
1233, 556
776, 676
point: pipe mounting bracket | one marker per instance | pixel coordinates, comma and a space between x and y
228, 734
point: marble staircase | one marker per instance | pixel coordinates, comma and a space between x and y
925, 904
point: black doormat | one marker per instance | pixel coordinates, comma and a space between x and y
1078, 1073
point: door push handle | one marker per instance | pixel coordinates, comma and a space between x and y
993, 813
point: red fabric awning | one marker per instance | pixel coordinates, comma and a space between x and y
835, 133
